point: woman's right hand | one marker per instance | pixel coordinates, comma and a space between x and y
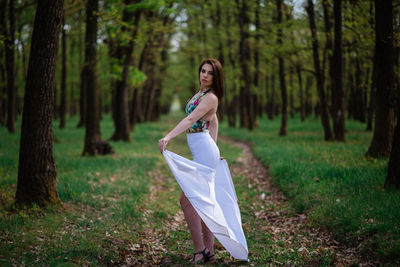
162, 143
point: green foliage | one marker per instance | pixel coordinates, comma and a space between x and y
136, 76
333, 182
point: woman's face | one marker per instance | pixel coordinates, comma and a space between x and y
206, 76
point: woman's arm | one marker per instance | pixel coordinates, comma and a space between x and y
214, 128
207, 103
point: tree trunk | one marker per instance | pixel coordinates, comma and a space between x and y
393, 175
338, 107
124, 53
257, 44
308, 104
371, 109
352, 99
72, 105
247, 116
384, 120
37, 169
323, 107
93, 142
82, 86
63, 99
283, 128
271, 99
82, 98
329, 52
3, 80
9, 48
232, 111
302, 106
291, 92
135, 109
218, 28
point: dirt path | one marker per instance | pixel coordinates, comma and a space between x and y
289, 232
292, 230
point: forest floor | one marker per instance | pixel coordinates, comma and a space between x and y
123, 209
276, 234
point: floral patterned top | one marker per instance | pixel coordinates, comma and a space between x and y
200, 125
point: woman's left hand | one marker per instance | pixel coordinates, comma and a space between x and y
162, 143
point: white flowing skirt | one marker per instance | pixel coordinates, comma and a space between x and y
207, 183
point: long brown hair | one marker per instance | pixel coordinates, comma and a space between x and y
218, 76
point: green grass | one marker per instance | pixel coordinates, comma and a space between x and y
110, 207
102, 195
333, 182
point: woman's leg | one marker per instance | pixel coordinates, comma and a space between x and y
194, 223
208, 237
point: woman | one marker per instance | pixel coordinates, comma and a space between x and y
202, 125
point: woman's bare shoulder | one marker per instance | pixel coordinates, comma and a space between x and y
211, 97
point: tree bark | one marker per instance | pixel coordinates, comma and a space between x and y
393, 175
384, 120
257, 44
82, 98
301, 94
217, 19
3, 80
371, 109
308, 104
291, 93
338, 107
329, 53
232, 111
9, 48
323, 106
37, 169
124, 53
63, 99
283, 128
82, 86
93, 143
271, 99
72, 105
247, 116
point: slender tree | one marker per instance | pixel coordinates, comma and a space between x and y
247, 116
93, 142
3, 79
323, 106
301, 94
63, 96
338, 108
384, 119
271, 97
371, 106
328, 52
9, 47
37, 169
124, 54
393, 175
282, 81
82, 86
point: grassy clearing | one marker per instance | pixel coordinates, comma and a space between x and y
103, 199
112, 209
263, 248
333, 182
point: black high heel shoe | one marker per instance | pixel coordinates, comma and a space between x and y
203, 252
208, 257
